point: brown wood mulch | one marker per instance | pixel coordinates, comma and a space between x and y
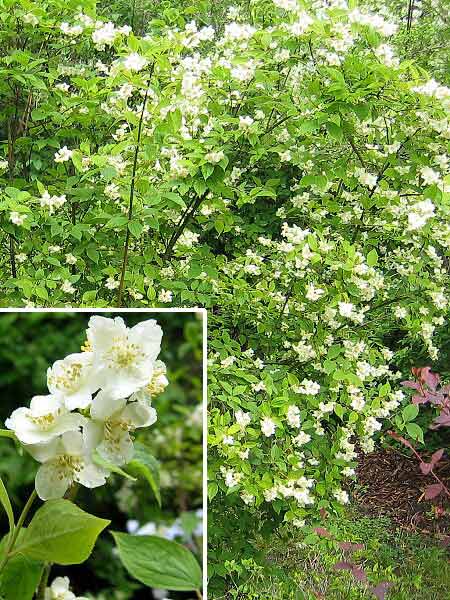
391, 483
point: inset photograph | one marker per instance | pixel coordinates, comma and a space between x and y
101, 455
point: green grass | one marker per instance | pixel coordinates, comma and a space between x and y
291, 570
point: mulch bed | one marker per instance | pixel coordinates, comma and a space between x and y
390, 483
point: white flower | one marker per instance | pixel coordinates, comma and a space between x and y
214, 157
113, 420
63, 155
247, 497
346, 309
104, 34
165, 296
60, 590
242, 418
245, 122
52, 202
67, 287
158, 381
3, 165
301, 438
17, 218
308, 387
419, 214
430, 176
46, 419
112, 284
30, 18
134, 62
341, 496
122, 355
65, 459
112, 190
71, 259
73, 379
293, 416
267, 426
313, 293
400, 312
228, 361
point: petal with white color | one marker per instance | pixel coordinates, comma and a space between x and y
105, 404
44, 452
72, 443
117, 446
74, 379
51, 481
101, 331
138, 414
148, 336
91, 476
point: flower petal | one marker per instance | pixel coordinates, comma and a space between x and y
105, 404
139, 414
51, 482
91, 476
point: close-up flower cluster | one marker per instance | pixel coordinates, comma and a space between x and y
97, 399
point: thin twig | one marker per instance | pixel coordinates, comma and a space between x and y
131, 199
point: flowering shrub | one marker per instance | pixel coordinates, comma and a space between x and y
81, 433
285, 169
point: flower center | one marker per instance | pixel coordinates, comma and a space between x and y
67, 465
124, 353
45, 421
68, 377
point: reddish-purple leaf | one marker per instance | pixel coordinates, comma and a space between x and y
359, 574
443, 420
419, 399
322, 532
426, 467
380, 590
433, 490
431, 379
350, 546
411, 384
344, 565
436, 456
426, 375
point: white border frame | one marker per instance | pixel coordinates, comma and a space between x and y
201, 311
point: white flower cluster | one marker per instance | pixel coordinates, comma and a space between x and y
60, 590
97, 399
52, 202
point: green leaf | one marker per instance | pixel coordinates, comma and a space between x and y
372, 258
335, 131
159, 563
61, 533
144, 464
93, 254
410, 412
213, 488
135, 228
415, 432
4, 499
7, 433
20, 578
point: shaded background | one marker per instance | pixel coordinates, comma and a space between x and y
29, 344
